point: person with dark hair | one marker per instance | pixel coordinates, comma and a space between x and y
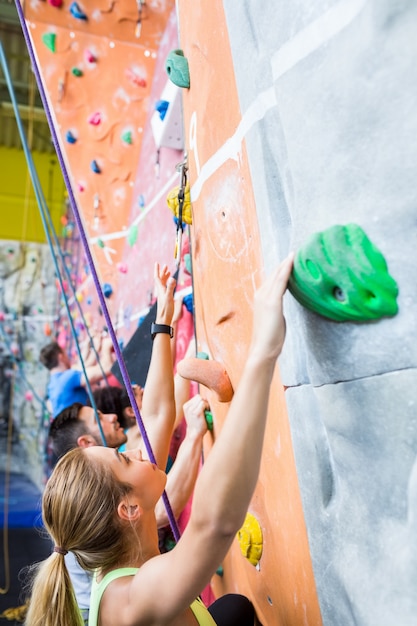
67, 384
112, 399
100, 505
76, 425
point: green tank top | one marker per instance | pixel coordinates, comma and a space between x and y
201, 613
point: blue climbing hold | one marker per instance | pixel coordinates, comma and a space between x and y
95, 167
70, 137
161, 106
77, 12
177, 69
107, 290
188, 302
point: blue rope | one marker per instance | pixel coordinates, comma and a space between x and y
36, 186
68, 275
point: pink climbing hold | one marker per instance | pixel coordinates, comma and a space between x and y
29, 394
62, 339
135, 78
64, 284
55, 3
122, 267
95, 119
90, 57
81, 186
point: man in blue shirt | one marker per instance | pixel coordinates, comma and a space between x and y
66, 384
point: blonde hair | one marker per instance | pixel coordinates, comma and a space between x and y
79, 510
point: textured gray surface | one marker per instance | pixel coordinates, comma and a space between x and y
355, 446
328, 94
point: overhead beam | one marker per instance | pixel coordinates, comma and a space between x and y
26, 112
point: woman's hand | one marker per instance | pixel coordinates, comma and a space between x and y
269, 323
165, 286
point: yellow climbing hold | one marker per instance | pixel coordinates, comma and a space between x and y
250, 539
16, 614
173, 203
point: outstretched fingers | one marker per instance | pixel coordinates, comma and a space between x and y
165, 286
269, 323
161, 274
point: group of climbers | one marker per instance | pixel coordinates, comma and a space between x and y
134, 583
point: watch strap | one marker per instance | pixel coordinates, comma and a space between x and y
161, 328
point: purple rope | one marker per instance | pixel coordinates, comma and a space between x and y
103, 305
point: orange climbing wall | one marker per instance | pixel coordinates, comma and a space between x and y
227, 267
108, 109
105, 109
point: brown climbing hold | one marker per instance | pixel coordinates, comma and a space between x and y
211, 374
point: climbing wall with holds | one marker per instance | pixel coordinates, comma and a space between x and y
28, 312
98, 88
269, 561
316, 155
102, 68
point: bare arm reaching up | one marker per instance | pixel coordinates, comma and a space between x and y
226, 483
158, 404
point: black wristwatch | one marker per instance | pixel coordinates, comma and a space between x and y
161, 328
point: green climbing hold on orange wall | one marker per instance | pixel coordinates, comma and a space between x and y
49, 39
340, 274
176, 66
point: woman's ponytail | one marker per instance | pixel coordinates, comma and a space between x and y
52, 600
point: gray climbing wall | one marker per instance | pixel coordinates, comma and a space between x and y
328, 95
28, 305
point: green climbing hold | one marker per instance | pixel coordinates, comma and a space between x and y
341, 275
101, 243
76, 71
132, 235
49, 39
203, 355
126, 137
209, 419
176, 66
188, 263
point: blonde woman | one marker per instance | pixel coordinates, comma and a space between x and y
100, 504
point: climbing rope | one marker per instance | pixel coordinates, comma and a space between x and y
140, 4
119, 356
72, 287
182, 169
40, 200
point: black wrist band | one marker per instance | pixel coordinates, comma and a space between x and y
161, 328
